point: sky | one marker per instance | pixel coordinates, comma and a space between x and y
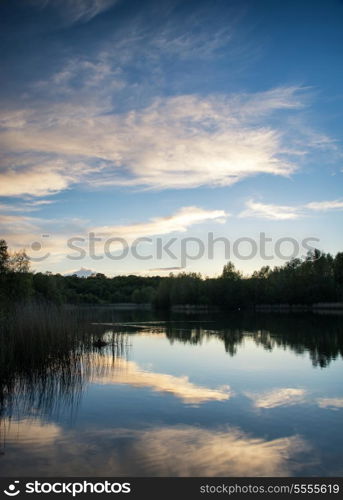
212, 129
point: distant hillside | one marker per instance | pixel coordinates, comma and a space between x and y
81, 273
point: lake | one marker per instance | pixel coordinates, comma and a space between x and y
180, 395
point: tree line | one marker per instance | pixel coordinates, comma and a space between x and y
316, 278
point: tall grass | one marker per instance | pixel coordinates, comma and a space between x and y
45, 355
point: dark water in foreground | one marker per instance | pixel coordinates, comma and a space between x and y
183, 396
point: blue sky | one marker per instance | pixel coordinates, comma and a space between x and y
172, 119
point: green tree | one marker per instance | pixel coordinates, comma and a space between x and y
230, 273
4, 256
19, 262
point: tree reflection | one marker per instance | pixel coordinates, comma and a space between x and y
319, 336
49, 355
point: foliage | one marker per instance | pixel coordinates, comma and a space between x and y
317, 278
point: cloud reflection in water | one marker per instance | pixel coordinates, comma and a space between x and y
121, 371
161, 451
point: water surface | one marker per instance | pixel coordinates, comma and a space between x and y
235, 395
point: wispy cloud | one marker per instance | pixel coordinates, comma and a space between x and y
22, 230
178, 222
41, 175
269, 211
285, 212
26, 206
186, 45
74, 11
76, 81
16, 224
42, 179
179, 142
323, 206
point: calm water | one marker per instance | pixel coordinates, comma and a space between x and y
184, 396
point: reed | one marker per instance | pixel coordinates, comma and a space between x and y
45, 354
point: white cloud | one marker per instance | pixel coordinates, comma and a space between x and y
16, 224
27, 206
268, 211
41, 176
36, 181
178, 142
21, 231
323, 206
278, 98
285, 212
178, 222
